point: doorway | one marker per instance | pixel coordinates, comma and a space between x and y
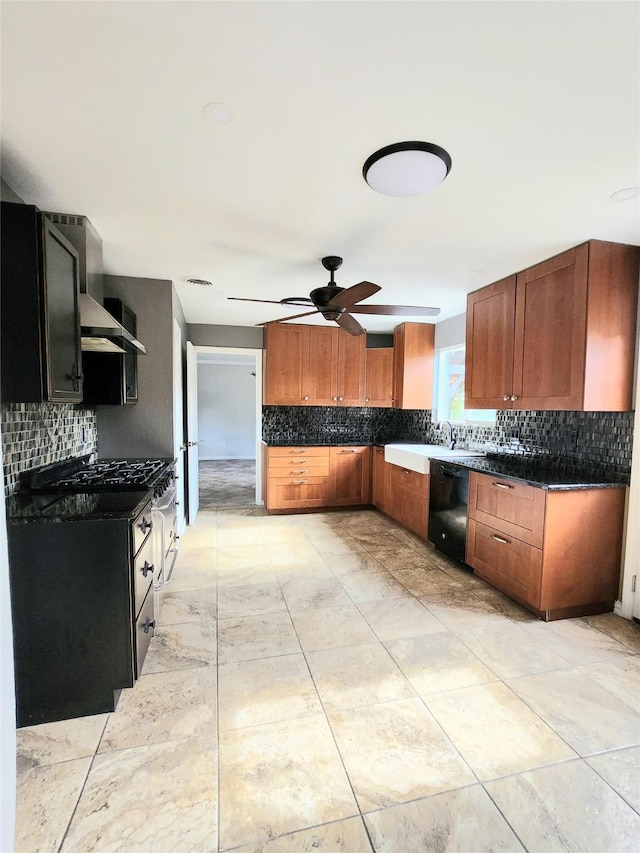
228, 390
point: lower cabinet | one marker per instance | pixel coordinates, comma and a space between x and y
82, 608
557, 552
379, 480
408, 499
302, 478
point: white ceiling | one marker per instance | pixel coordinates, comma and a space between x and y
536, 102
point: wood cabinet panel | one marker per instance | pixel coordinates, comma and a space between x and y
517, 509
286, 365
489, 349
297, 492
513, 566
350, 476
295, 452
323, 360
350, 369
379, 479
379, 378
550, 333
408, 499
413, 352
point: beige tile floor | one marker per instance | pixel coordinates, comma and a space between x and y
328, 683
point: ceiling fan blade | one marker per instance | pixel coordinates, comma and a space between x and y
292, 317
354, 294
350, 324
408, 310
270, 301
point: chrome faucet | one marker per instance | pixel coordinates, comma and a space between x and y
452, 435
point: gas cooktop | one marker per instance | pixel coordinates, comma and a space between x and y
103, 475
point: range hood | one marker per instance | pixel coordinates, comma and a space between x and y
101, 332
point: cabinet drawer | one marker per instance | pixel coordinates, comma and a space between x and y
304, 468
513, 566
297, 492
144, 630
291, 452
514, 508
411, 481
144, 572
142, 527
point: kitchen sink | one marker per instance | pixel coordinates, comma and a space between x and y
416, 457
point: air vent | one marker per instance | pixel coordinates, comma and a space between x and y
201, 281
66, 219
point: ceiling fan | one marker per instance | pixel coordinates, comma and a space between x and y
339, 303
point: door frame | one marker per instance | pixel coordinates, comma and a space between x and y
257, 353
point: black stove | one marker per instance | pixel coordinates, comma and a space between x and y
103, 475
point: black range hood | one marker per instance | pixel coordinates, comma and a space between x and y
101, 332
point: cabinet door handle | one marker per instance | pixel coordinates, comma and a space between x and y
500, 539
298, 482
513, 397
148, 625
501, 486
148, 567
340, 398
76, 377
367, 399
506, 397
334, 398
145, 525
306, 398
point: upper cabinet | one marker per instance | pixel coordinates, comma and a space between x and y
558, 336
379, 378
313, 366
41, 358
413, 349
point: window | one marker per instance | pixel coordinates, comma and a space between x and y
449, 390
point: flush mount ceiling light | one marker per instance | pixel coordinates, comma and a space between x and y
406, 168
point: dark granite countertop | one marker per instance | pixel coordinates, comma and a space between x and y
534, 473
28, 508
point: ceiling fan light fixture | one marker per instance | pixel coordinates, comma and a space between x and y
406, 168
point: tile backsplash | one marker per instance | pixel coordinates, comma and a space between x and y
36, 434
596, 441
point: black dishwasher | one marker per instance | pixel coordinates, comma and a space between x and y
448, 498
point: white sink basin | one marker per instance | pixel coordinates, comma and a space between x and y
416, 457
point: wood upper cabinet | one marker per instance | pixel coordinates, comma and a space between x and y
489, 349
559, 336
413, 350
379, 378
555, 551
313, 366
286, 368
350, 476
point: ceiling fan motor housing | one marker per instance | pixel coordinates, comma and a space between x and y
322, 296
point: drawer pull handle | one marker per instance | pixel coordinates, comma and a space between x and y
297, 451
501, 486
500, 539
148, 567
149, 624
298, 482
348, 451
298, 472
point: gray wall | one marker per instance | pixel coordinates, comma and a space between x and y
246, 337
145, 429
7, 194
451, 332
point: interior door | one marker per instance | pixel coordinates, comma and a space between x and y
192, 431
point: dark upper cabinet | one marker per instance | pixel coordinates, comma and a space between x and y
111, 379
41, 356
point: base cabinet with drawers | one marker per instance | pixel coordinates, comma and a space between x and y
557, 552
83, 610
304, 478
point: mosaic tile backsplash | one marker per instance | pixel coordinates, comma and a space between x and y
36, 434
599, 442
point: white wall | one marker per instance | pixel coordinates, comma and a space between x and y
451, 332
226, 411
